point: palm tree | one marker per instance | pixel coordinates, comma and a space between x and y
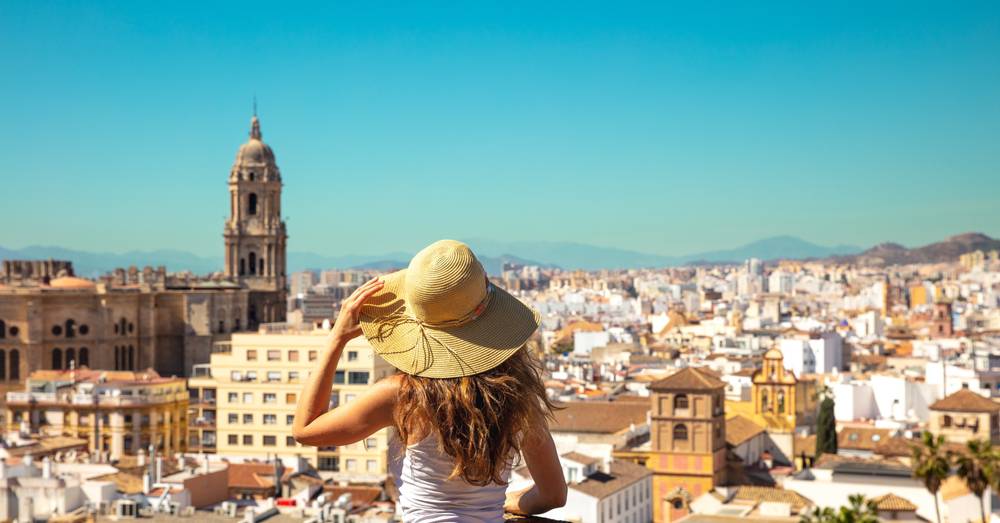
931, 466
860, 510
974, 464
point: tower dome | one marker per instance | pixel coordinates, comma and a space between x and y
255, 157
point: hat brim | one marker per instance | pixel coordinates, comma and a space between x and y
448, 352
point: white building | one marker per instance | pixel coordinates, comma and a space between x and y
883, 397
584, 342
600, 490
831, 482
816, 354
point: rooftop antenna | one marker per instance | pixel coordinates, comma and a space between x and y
255, 104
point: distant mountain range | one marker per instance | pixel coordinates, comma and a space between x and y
942, 251
567, 255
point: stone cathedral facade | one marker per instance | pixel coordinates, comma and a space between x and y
134, 319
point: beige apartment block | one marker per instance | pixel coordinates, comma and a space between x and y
117, 412
243, 402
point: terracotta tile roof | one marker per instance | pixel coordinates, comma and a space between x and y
861, 438
359, 495
965, 401
895, 447
252, 475
740, 429
689, 378
620, 474
893, 503
774, 494
598, 417
582, 459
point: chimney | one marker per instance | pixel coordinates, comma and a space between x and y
46, 467
140, 458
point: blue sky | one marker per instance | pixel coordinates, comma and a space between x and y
661, 127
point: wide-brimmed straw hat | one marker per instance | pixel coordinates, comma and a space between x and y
442, 318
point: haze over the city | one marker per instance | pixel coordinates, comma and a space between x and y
662, 129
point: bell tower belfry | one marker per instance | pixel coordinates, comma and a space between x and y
255, 234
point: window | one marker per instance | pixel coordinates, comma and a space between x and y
681, 401
348, 398
946, 421
70, 329
15, 365
251, 375
329, 463
56, 359
270, 419
70, 358
56, 330
236, 376
247, 397
84, 356
234, 418
233, 397
3, 365
371, 465
338, 377
247, 419
781, 401
352, 464
680, 432
293, 355
289, 419
312, 355
273, 376
274, 355
358, 378
291, 398
232, 439
270, 397
252, 203
270, 441
248, 439
252, 355
371, 444
289, 441
352, 355
293, 375
253, 263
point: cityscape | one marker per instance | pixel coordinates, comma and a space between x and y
779, 382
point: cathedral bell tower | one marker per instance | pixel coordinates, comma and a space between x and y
255, 233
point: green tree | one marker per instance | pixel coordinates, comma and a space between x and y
931, 466
859, 510
826, 427
974, 464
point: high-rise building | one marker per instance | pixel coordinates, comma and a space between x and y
252, 387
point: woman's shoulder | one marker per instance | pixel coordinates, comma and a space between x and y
388, 385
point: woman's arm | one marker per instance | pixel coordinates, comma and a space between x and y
313, 424
549, 490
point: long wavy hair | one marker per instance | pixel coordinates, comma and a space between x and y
482, 420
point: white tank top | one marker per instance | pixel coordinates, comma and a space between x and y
426, 495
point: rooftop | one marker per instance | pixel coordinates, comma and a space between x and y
965, 401
689, 378
598, 417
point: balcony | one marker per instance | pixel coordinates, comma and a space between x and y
31, 397
222, 347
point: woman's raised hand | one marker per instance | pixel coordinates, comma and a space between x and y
347, 326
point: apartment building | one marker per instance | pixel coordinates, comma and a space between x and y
244, 401
117, 412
